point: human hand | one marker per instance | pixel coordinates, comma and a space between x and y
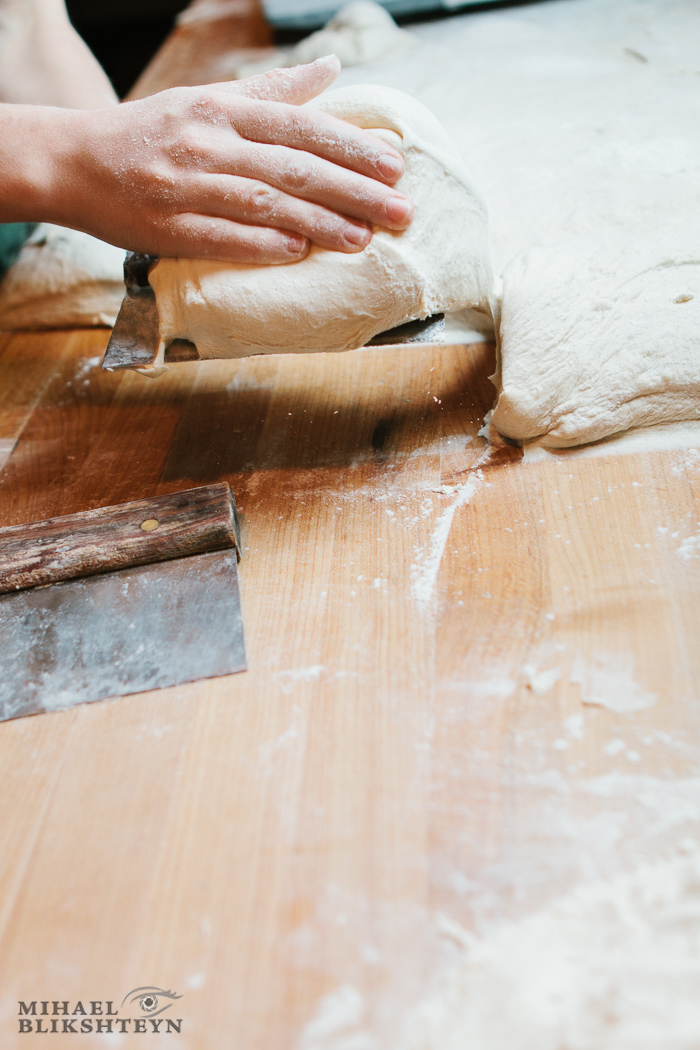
236, 171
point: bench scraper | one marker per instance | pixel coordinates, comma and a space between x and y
135, 338
119, 600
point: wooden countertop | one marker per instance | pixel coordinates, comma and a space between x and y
409, 754
401, 748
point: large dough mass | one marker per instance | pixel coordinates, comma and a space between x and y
600, 334
333, 301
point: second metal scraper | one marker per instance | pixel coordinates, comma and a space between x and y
119, 600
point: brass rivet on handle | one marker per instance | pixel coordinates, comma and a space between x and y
150, 524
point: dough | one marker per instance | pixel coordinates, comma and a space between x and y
573, 117
62, 279
360, 32
332, 301
600, 334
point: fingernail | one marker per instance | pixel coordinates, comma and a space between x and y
398, 210
296, 243
358, 236
389, 166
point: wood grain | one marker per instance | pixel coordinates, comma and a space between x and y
118, 537
27, 366
414, 753
387, 769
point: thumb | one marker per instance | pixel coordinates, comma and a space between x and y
294, 86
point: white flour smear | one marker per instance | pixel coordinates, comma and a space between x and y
607, 680
6, 447
288, 679
690, 547
424, 571
342, 1010
670, 437
610, 966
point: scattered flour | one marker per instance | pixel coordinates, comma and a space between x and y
6, 446
690, 547
85, 366
608, 681
288, 679
540, 682
196, 980
424, 571
610, 966
243, 380
614, 747
669, 437
687, 463
339, 1011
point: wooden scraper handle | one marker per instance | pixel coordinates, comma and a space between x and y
147, 530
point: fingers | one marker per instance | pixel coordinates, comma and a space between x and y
259, 204
319, 181
321, 134
304, 153
294, 86
193, 236
231, 172
273, 115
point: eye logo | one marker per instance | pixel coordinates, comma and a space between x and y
150, 999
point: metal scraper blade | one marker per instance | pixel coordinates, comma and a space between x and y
120, 633
135, 338
427, 330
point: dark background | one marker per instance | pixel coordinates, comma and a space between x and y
124, 34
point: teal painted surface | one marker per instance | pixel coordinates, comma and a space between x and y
12, 237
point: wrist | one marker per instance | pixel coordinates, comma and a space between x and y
38, 146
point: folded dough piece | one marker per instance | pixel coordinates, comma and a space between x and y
332, 301
600, 334
360, 32
62, 279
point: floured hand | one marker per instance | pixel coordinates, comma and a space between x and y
238, 172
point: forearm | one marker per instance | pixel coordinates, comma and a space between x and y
43, 61
35, 144
224, 172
